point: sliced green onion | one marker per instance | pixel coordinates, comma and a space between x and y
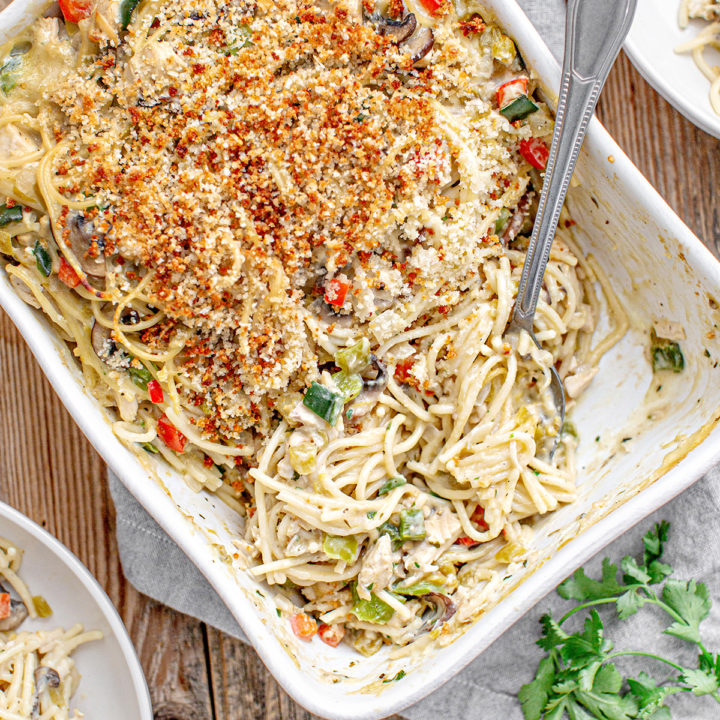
42, 259
149, 447
126, 10
325, 403
667, 356
391, 484
243, 39
354, 359
502, 220
140, 376
350, 385
42, 608
519, 108
373, 610
503, 48
412, 524
9, 73
10, 214
568, 428
424, 587
340, 548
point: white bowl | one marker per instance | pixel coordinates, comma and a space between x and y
113, 685
658, 268
651, 46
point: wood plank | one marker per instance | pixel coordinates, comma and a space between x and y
50, 472
680, 160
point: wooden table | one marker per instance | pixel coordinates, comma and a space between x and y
49, 471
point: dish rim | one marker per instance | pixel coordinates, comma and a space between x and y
667, 90
99, 596
162, 508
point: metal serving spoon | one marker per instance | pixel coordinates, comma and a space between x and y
595, 30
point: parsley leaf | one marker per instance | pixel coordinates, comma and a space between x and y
650, 697
690, 600
534, 695
553, 634
579, 679
581, 587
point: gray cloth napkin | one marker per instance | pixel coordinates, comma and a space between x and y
487, 688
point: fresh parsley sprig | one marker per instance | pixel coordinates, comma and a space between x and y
578, 678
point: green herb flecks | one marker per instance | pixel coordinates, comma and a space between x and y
127, 7
578, 678
42, 259
10, 214
398, 676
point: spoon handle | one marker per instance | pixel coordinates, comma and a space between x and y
595, 31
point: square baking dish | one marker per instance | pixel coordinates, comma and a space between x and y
658, 269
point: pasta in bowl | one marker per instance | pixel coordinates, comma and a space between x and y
283, 241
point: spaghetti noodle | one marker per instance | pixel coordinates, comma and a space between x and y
283, 240
708, 37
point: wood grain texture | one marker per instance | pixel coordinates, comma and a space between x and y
49, 471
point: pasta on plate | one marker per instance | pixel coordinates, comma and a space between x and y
707, 38
38, 676
283, 240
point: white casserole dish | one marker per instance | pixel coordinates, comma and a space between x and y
659, 269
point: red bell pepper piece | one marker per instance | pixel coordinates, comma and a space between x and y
155, 390
303, 626
170, 435
331, 634
336, 291
76, 10
535, 151
67, 274
511, 90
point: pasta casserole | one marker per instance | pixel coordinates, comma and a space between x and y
283, 240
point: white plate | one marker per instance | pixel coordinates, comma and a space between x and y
659, 269
113, 685
651, 46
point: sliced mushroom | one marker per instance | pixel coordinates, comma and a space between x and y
440, 609
397, 30
82, 234
320, 308
130, 316
372, 389
518, 219
419, 44
105, 347
45, 677
142, 101
18, 613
